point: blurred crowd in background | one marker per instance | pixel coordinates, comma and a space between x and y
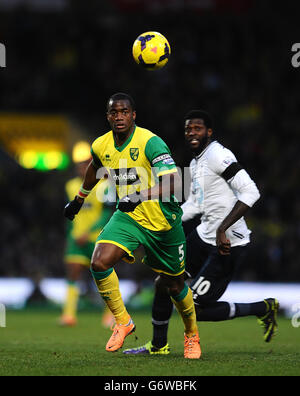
233, 61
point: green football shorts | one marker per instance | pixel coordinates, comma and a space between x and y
165, 251
76, 254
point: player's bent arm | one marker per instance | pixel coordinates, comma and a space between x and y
168, 185
244, 188
163, 190
247, 193
239, 210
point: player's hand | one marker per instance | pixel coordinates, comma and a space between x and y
73, 208
130, 202
223, 243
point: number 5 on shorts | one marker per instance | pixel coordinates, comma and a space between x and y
181, 253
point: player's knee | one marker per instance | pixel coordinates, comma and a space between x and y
102, 259
175, 289
174, 285
98, 266
100, 263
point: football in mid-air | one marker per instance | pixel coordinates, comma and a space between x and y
151, 50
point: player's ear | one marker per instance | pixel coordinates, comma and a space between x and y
134, 115
210, 132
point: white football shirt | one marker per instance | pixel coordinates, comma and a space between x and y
213, 197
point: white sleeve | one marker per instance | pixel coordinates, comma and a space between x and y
221, 159
244, 188
242, 185
190, 210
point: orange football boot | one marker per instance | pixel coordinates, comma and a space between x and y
120, 332
192, 349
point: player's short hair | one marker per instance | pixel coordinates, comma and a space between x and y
203, 115
121, 96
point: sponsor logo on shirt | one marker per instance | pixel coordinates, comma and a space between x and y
125, 176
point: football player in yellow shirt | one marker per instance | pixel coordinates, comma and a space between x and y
148, 214
82, 234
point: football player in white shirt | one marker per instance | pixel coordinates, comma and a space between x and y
221, 193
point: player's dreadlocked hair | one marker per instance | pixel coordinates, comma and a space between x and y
121, 96
203, 115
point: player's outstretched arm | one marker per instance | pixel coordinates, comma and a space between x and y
90, 180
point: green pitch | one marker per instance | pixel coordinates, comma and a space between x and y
33, 345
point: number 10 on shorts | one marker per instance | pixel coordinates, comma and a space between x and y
201, 287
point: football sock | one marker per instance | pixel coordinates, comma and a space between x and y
215, 312
252, 309
107, 283
221, 311
162, 309
184, 304
71, 302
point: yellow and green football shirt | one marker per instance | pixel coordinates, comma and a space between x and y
137, 166
91, 213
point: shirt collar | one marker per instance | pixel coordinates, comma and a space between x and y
205, 150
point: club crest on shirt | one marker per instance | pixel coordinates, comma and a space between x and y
134, 153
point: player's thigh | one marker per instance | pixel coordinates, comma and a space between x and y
118, 239
106, 256
197, 253
172, 284
213, 279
